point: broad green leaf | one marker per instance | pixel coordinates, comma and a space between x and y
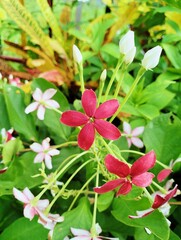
10, 149
163, 134
23, 229
173, 55
174, 236
52, 118
19, 174
149, 111
140, 233
123, 208
4, 119
21, 122
104, 201
80, 217
169, 75
111, 49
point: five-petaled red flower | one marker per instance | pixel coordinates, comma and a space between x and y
92, 120
136, 174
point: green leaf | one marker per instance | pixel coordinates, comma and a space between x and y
140, 233
173, 55
80, 217
52, 118
104, 201
163, 134
149, 111
173, 236
10, 149
19, 174
111, 49
123, 208
20, 121
23, 229
4, 119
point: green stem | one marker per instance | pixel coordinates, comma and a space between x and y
120, 80
80, 191
65, 185
74, 143
93, 230
162, 164
81, 76
101, 86
159, 187
139, 75
148, 195
133, 151
119, 63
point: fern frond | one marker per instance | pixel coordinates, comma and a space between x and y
27, 23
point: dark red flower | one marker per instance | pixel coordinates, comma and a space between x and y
136, 174
92, 120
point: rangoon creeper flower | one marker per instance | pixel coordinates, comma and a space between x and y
160, 202
92, 120
7, 135
44, 152
151, 58
42, 101
86, 235
132, 135
50, 221
15, 81
127, 47
136, 174
77, 54
30, 209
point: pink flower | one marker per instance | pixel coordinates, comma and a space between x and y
86, 235
92, 120
159, 203
15, 81
136, 174
44, 152
42, 101
30, 209
7, 135
131, 135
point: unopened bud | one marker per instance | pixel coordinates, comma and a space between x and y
77, 54
151, 58
103, 75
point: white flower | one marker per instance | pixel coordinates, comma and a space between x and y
30, 209
151, 58
77, 54
127, 47
44, 152
131, 135
42, 101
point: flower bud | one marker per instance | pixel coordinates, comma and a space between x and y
77, 54
103, 75
151, 58
127, 47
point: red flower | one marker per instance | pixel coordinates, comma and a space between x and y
159, 203
93, 119
136, 174
163, 174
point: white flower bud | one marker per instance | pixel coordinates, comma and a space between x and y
103, 75
127, 47
151, 58
77, 54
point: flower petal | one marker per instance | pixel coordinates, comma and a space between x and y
143, 180
137, 131
143, 164
163, 174
39, 157
137, 142
109, 186
107, 129
89, 102
37, 94
80, 232
73, 118
20, 196
126, 128
159, 200
36, 147
41, 112
142, 213
48, 161
86, 136
42, 204
124, 189
32, 107
53, 152
52, 104
29, 211
107, 109
46, 143
49, 93
117, 167
28, 193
